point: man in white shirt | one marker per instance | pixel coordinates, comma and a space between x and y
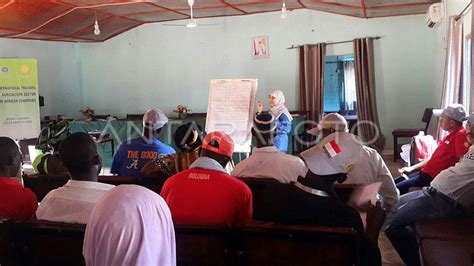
450, 195
266, 161
370, 167
73, 202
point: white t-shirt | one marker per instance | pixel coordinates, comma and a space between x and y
457, 182
72, 203
371, 168
269, 162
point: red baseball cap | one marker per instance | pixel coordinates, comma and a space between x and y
219, 142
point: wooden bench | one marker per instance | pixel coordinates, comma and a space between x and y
206, 245
258, 243
257, 185
7, 246
42, 184
48, 243
446, 241
276, 244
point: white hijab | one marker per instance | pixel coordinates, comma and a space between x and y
130, 225
279, 107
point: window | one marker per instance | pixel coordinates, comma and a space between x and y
467, 98
339, 85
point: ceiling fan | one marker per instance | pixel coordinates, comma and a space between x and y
192, 22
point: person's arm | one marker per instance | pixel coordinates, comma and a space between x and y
416, 167
31, 204
461, 145
117, 161
284, 126
388, 190
259, 107
245, 211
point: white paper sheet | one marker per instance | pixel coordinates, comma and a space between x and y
231, 109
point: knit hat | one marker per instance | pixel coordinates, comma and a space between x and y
264, 122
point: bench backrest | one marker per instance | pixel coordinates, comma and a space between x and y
272, 244
259, 243
49, 243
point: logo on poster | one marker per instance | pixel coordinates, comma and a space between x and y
25, 69
4, 69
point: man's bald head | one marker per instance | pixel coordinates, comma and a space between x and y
10, 157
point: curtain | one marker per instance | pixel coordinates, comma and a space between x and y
312, 80
367, 118
471, 105
349, 86
452, 82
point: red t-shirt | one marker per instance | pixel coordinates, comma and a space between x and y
16, 201
202, 196
448, 153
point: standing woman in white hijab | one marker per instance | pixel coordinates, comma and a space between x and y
282, 116
131, 225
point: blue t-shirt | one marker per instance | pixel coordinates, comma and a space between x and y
132, 155
283, 125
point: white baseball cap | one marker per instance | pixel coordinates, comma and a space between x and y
453, 111
332, 120
337, 153
155, 118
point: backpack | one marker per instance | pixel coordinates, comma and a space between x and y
51, 136
421, 147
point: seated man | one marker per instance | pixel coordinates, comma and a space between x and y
74, 202
369, 168
448, 153
188, 138
330, 123
135, 153
205, 193
16, 202
449, 196
311, 200
266, 160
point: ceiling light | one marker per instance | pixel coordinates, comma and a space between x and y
96, 28
284, 11
192, 24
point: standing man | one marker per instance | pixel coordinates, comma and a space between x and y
134, 154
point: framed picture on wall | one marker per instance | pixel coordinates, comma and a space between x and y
260, 47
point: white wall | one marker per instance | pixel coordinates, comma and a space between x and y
158, 66
58, 72
163, 66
